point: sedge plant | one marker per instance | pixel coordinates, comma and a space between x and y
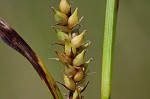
74, 48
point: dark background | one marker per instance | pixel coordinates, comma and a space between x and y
32, 19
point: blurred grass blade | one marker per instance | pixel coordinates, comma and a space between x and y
108, 46
11, 38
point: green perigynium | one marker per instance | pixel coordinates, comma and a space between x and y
72, 41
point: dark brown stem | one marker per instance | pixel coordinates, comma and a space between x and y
70, 95
12, 38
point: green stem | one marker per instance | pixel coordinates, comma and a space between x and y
108, 46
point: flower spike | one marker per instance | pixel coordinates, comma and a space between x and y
74, 49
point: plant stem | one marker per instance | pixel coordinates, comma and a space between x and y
12, 38
108, 46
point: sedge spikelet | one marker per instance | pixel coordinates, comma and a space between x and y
72, 41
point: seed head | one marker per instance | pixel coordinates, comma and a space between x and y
70, 50
70, 84
78, 40
78, 60
65, 7
73, 19
60, 17
79, 76
61, 36
70, 71
63, 58
71, 40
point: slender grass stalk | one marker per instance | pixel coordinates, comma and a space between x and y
108, 46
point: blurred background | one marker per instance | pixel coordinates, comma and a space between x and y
33, 19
